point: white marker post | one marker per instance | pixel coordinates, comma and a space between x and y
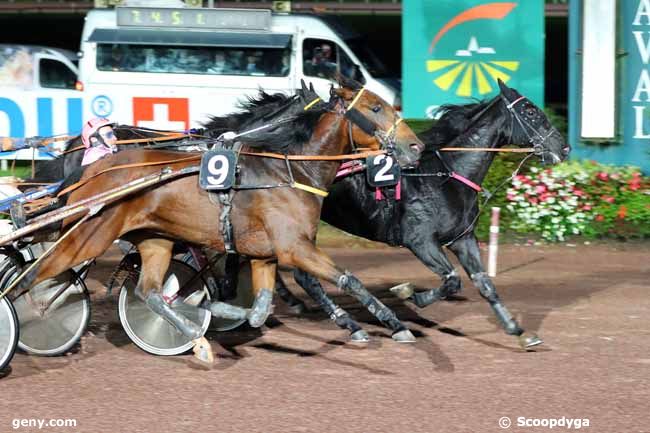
493, 247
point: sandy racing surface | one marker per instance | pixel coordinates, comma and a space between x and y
590, 304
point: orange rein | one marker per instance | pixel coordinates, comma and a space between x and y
487, 149
361, 155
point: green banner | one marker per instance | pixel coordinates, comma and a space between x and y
455, 50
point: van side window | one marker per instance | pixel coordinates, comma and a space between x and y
323, 58
56, 75
270, 62
319, 58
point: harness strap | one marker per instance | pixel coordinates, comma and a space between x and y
356, 99
310, 189
311, 104
392, 128
227, 231
466, 181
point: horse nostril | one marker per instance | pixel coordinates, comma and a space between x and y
417, 148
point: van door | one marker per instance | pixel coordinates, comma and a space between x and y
322, 59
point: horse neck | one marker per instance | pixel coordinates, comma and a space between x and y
488, 131
328, 138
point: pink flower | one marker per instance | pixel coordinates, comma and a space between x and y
600, 217
586, 207
578, 192
608, 198
511, 196
533, 200
602, 176
634, 184
540, 189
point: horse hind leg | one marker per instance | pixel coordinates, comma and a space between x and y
343, 320
156, 255
431, 255
306, 257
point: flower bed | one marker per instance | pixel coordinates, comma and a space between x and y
580, 198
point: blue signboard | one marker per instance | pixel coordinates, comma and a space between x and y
630, 144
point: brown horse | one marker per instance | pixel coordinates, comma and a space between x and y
271, 226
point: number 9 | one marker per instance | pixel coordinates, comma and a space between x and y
221, 171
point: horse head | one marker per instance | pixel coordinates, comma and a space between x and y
531, 127
374, 124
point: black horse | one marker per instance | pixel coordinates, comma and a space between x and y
436, 209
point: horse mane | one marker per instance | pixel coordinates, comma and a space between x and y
453, 121
264, 109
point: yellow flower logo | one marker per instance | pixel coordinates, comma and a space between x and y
451, 71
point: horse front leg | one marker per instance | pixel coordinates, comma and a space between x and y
468, 253
305, 256
263, 276
341, 318
156, 255
431, 254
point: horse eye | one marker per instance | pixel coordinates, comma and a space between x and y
376, 109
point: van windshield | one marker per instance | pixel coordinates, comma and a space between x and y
368, 58
271, 62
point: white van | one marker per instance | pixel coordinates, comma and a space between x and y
172, 68
38, 93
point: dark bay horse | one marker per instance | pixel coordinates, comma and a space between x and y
271, 226
437, 211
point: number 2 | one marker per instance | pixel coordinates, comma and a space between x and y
381, 175
221, 172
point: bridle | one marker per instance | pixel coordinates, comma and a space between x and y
536, 135
357, 118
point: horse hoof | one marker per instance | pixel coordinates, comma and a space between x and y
403, 291
262, 308
359, 336
404, 336
297, 309
203, 351
526, 340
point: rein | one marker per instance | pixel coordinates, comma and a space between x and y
168, 137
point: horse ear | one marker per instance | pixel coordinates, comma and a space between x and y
311, 87
502, 86
303, 86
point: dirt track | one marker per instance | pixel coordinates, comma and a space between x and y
589, 303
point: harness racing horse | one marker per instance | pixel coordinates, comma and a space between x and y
272, 222
436, 209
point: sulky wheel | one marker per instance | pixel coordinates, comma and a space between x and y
8, 332
149, 331
53, 315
